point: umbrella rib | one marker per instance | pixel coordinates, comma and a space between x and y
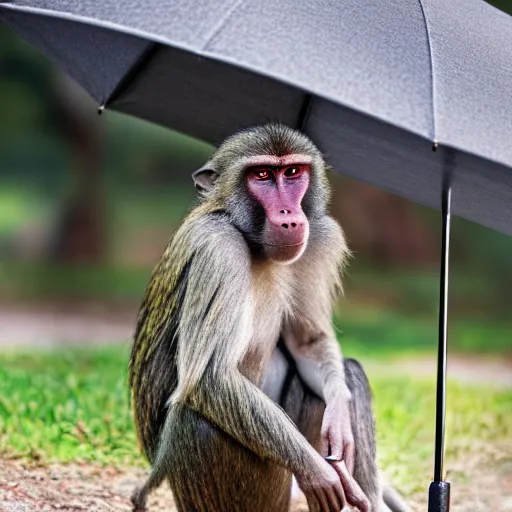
431, 60
305, 110
221, 24
130, 75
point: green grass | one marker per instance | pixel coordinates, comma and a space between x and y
477, 418
67, 405
72, 405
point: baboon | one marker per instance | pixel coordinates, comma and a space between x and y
237, 378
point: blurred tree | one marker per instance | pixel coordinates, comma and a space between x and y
37, 97
384, 228
79, 234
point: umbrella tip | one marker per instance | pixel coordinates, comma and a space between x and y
101, 108
435, 146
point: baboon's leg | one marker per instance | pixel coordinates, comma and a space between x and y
306, 410
363, 428
209, 471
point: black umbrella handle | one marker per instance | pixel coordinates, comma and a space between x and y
439, 497
439, 492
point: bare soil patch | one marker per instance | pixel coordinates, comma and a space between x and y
24, 487
74, 488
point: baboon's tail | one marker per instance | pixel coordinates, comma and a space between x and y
393, 500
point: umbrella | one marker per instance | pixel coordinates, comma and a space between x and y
413, 96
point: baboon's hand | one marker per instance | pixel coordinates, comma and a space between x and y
353, 493
336, 434
322, 488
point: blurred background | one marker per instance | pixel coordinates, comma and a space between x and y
88, 202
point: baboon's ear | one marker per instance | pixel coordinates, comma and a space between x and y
204, 179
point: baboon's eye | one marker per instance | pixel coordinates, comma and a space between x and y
293, 172
261, 174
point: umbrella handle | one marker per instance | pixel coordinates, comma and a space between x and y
439, 492
439, 497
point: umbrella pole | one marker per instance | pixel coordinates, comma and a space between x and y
439, 491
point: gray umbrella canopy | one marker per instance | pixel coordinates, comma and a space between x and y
375, 84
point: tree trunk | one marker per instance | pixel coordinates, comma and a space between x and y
79, 234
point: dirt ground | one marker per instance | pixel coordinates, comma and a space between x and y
74, 488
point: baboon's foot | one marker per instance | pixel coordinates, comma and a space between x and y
139, 499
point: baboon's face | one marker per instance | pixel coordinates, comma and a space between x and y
278, 185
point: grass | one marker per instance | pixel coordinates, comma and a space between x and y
477, 420
67, 405
72, 405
